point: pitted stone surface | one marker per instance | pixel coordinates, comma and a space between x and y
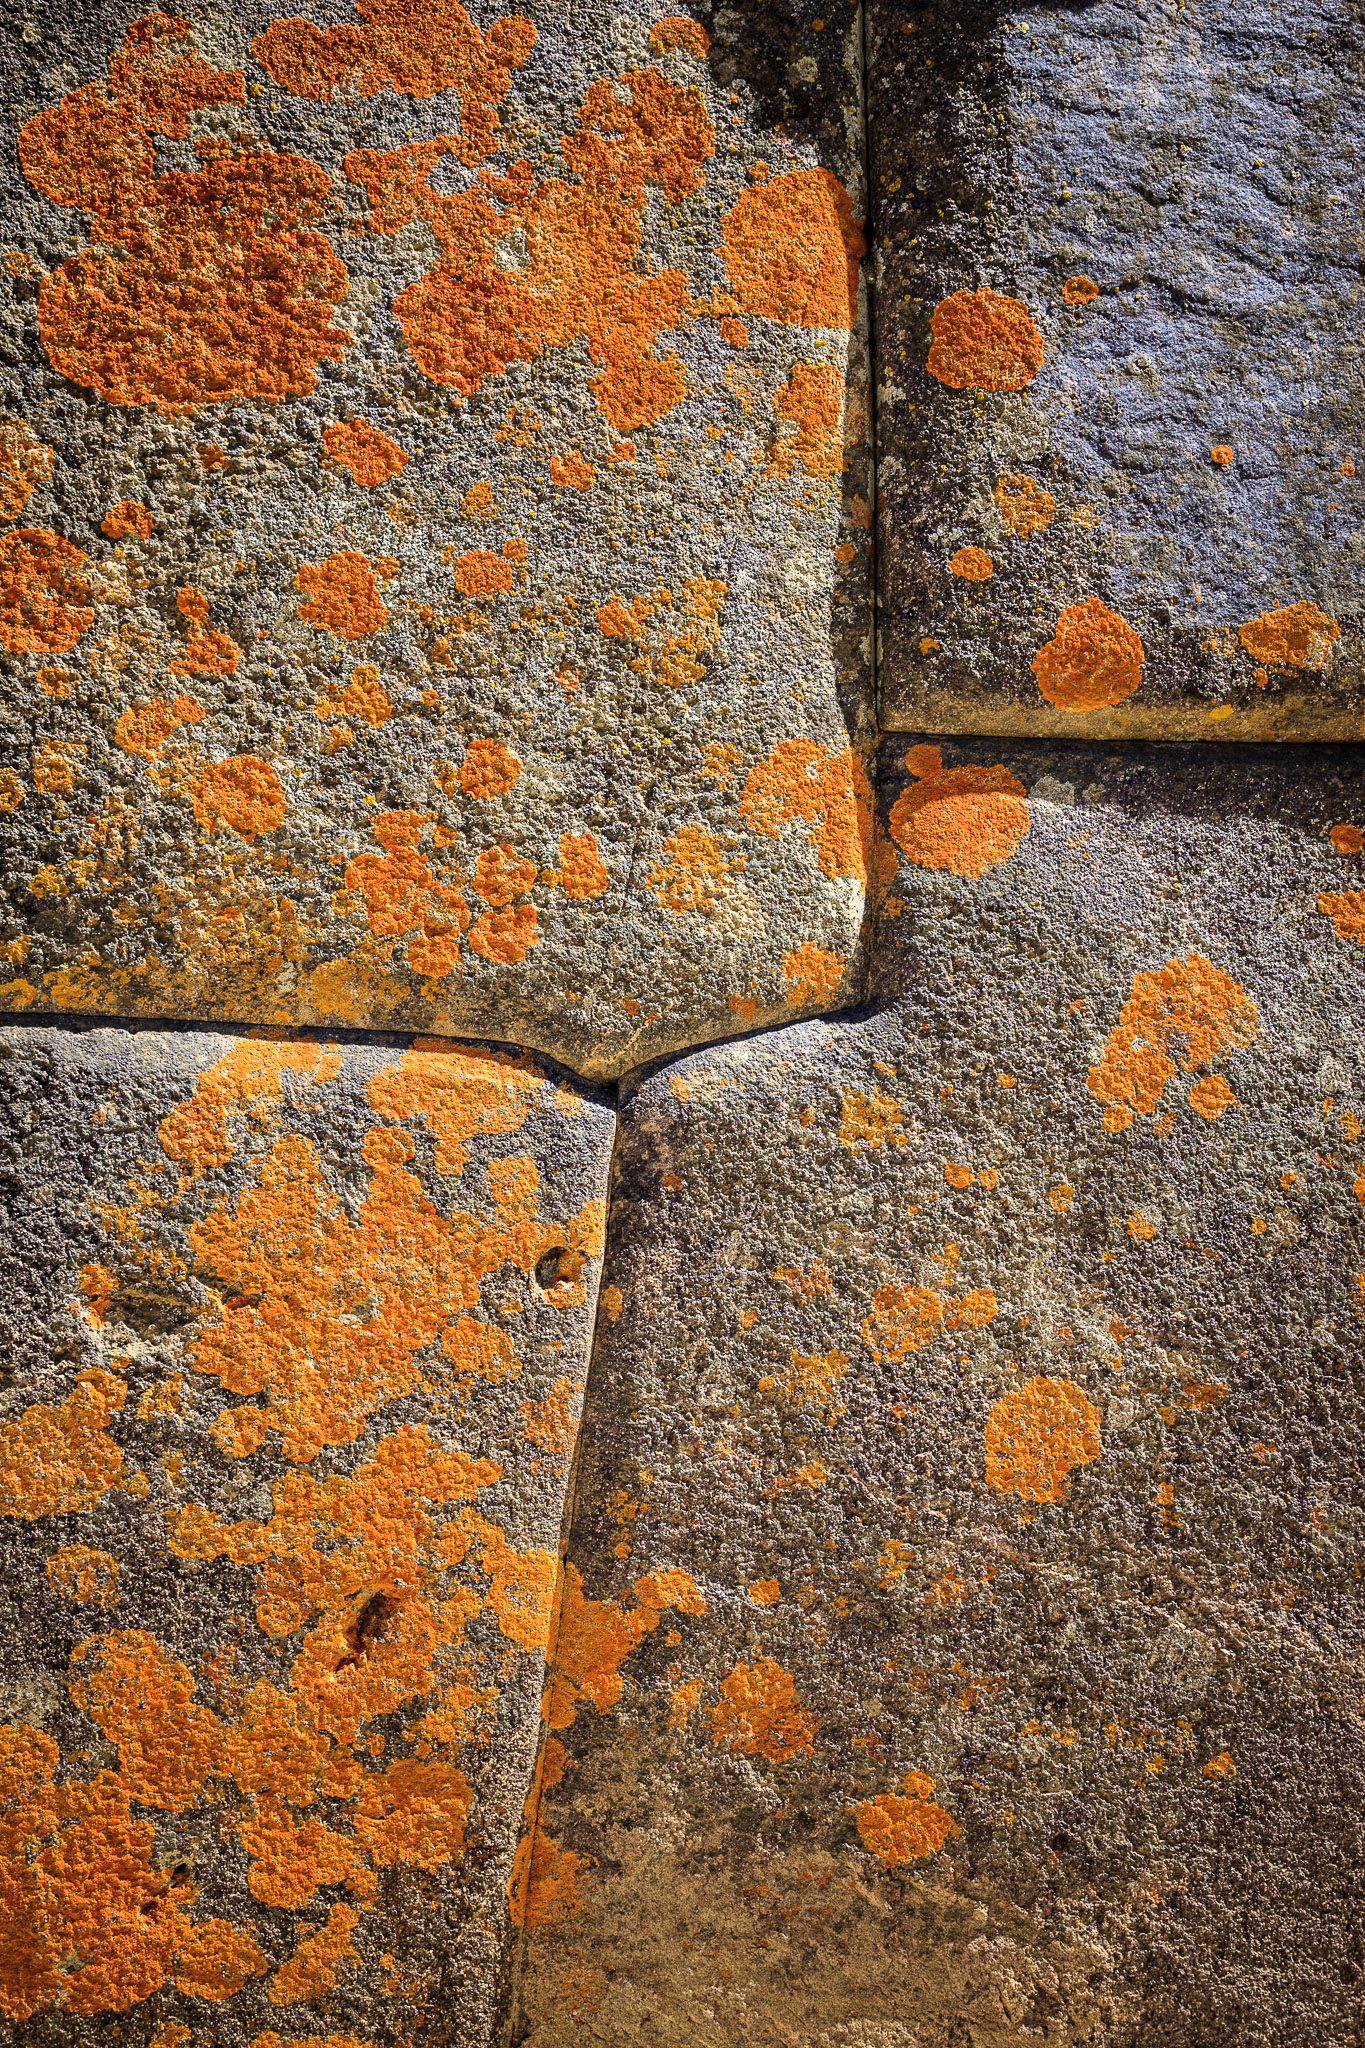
297, 1341
1120, 415
962, 1622
434, 472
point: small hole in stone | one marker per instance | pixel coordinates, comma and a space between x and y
558, 1270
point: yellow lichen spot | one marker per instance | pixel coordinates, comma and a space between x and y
1188, 1001
963, 819
80, 1573
758, 1714
1094, 659
1299, 636
1025, 507
695, 875
612, 1303
904, 1826
1061, 1197
974, 565
1346, 908
1036, 1435
871, 1120
58, 1461
812, 975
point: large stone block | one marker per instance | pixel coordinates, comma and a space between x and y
433, 578
1118, 330
962, 1628
296, 1342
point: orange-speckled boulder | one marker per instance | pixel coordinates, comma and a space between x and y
434, 520
1118, 328
296, 1340
962, 1628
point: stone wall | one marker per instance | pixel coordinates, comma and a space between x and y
682, 1042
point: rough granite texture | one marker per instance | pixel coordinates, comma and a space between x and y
298, 1335
435, 465
979, 1382
1119, 272
916, 1602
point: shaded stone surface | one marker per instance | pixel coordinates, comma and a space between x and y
434, 467
296, 1341
1158, 407
962, 1622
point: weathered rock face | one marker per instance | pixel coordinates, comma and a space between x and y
962, 1621
300, 1336
433, 591
1117, 337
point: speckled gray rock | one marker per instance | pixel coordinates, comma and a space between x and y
296, 1338
962, 1633
1119, 271
434, 468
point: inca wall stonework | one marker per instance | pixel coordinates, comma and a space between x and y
682, 1026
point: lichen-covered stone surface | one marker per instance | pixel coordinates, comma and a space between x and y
436, 519
962, 1627
1119, 267
297, 1337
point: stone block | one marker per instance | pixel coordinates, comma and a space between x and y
434, 469
297, 1337
962, 1623
1118, 322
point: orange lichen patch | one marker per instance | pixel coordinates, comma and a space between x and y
695, 875
469, 317
25, 462
128, 516
1095, 658
595, 1637
549, 1423
1347, 839
1139, 1227
243, 793
1221, 454
145, 728
870, 1120
311, 1971
200, 286
240, 1432
205, 653
903, 1319
545, 1885
1080, 290
813, 399
1211, 1095
1036, 1435
1300, 636
1189, 1000
812, 975
958, 1176
419, 49
402, 895
973, 564
478, 573
1346, 908
1024, 505
80, 1573
902, 1827
58, 1461
44, 605
763, 1593
802, 779
489, 768
248, 1079
810, 1383
572, 472
792, 250
758, 1714
679, 32
984, 341
962, 819
365, 697
501, 874
142, 1700
582, 871
343, 597
368, 452
1221, 1766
